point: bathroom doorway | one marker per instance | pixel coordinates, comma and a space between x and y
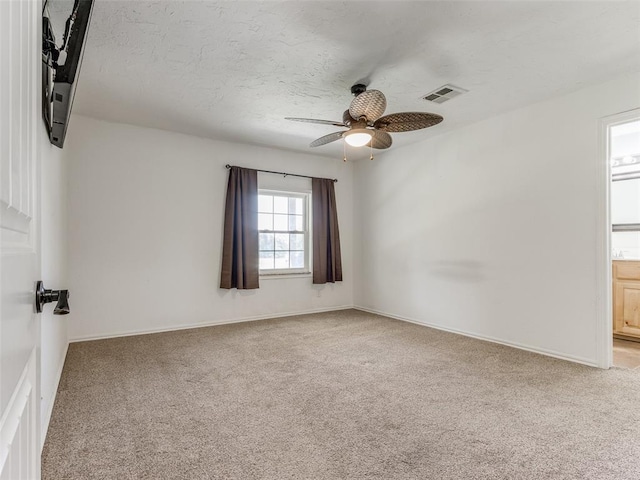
623, 154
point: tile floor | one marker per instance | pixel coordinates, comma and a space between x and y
626, 354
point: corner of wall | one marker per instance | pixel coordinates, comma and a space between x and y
54, 340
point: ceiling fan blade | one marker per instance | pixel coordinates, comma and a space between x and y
313, 120
370, 103
407, 121
332, 137
380, 140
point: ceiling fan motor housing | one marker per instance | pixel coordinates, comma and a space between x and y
361, 123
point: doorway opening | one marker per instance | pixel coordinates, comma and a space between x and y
623, 157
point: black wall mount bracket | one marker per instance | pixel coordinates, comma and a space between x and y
44, 295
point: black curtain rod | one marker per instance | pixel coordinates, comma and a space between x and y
227, 166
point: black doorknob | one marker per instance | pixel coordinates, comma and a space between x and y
44, 295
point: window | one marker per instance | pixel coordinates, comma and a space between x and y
283, 223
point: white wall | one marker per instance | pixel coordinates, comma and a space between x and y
491, 230
145, 231
53, 330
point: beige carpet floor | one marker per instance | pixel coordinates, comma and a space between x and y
343, 395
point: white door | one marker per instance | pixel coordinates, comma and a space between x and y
19, 238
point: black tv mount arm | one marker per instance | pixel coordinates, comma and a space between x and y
49, 47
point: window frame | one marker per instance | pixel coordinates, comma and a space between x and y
306, 222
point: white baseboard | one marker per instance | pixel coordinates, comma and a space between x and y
130, 333
528, 348
44, 422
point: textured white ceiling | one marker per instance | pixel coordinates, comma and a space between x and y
234, 70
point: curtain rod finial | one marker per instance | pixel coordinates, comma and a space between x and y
227, 166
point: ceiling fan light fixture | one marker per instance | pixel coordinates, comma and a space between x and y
358, 137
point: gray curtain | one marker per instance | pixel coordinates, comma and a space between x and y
240, 260
327, 262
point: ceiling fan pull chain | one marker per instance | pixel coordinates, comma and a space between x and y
371, 149
344, 147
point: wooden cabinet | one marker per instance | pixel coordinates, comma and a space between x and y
626, 299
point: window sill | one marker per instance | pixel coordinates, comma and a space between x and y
273, 276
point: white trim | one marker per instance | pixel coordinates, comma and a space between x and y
209, 324
44, 427
520, 346
604, 280
528, 348
272, 276
20, 422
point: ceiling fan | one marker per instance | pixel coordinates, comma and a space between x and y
365, 123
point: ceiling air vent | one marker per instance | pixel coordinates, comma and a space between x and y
444, 93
